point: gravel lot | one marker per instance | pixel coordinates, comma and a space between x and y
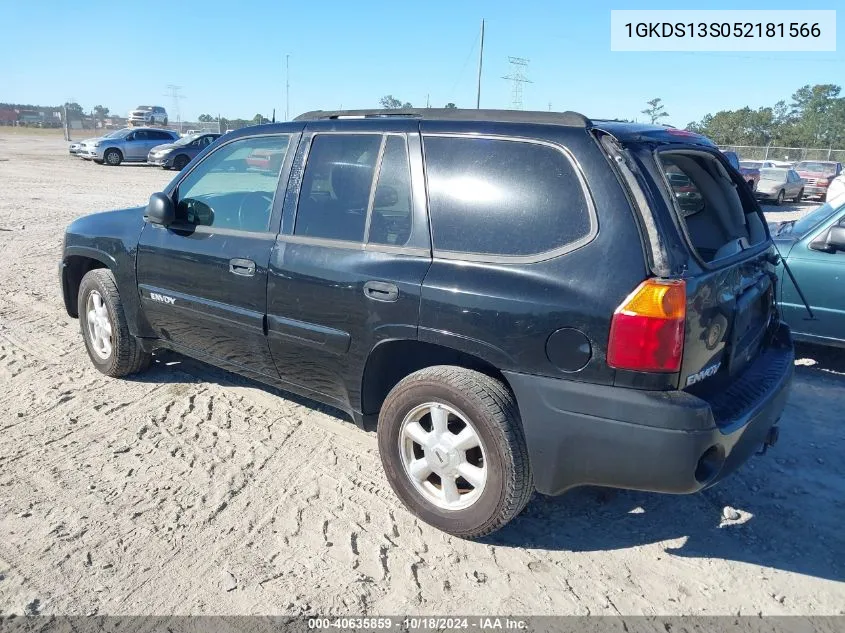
189, 490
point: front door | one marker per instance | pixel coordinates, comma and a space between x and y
821, 276
346, 272
203, 280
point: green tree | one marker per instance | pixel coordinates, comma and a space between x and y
655, 110
74, 108
450, 106
205, 118
101, 112
259, 118
389, 102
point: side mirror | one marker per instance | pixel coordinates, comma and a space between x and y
160, 210
832, 241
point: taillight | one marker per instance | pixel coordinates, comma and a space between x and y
647, 331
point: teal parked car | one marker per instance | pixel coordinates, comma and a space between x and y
814, 249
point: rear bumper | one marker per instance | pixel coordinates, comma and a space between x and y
584, 434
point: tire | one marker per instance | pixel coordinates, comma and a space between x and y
124, 356
180, 161
492, 414
780, 198
165, 122
113, 157
799, 196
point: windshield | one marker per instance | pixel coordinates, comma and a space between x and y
144, 108
750, 164
817, 216
117, 133
778, 175
819, 168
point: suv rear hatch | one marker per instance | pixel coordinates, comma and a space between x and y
702, 224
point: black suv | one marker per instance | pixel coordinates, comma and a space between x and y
521, 300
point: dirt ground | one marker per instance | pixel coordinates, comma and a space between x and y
188, 490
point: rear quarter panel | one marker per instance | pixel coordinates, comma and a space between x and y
504, 313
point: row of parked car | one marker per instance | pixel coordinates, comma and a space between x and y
154, 146
777, 181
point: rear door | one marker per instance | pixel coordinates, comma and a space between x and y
346, 270
203, 279
137, 145
729, 274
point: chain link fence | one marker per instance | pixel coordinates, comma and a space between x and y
789, 154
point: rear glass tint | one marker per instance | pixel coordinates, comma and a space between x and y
502, 197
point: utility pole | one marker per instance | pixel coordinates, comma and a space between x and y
480, 63
517, 77
287, 87
174, 92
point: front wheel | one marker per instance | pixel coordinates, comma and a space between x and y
113, 157
781, 196
179, 162
799, 196
453, 450
111, 347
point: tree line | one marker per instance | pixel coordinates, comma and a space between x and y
814, 117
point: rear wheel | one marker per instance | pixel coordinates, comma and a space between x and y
781, 196
111, 347
113, 157
453, 450
799, 196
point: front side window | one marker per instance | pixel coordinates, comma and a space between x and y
231, 189
503, 197
336, 185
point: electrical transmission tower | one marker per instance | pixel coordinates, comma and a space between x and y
517, 77
174, 92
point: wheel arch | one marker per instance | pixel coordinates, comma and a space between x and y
392, 360
77, 262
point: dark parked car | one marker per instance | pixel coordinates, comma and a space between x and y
750, 169
814, 249
516, 298
179, 153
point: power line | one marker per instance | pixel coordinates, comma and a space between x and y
517, 78
174, 92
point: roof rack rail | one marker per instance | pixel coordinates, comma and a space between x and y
571, 119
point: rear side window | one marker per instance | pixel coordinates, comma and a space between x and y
390, 222
336, 186
503, 197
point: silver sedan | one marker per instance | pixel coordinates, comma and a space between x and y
779, 184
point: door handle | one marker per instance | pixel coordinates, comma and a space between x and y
242, 267
381, 291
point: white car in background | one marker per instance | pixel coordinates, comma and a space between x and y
836, 188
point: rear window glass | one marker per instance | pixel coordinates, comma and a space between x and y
718, 223
502, 197
778, 175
